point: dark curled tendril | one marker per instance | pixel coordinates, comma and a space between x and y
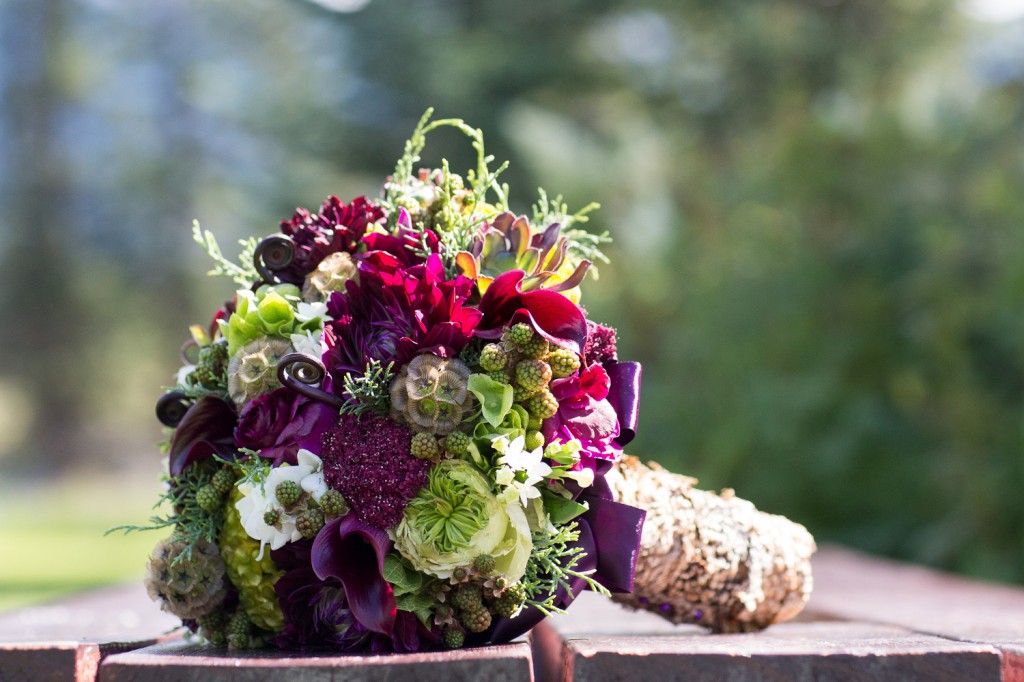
171, 408
273, 254
303, 374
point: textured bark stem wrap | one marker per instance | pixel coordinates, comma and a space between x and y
709, 559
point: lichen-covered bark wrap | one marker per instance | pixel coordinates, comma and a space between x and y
709, 559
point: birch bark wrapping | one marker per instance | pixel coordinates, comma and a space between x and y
713, 560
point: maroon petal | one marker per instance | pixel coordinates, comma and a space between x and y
207, 427
557, 318
499, 303
353, 552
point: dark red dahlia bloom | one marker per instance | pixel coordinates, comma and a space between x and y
387, 253
335, 227
392, 315
554, 316
282, 422
368, 459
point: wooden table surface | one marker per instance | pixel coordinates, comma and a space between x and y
868, 619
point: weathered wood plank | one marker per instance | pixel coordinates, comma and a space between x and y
187, 662
855, 586
68, 639
599, 641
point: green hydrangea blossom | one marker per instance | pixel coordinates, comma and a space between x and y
253, 578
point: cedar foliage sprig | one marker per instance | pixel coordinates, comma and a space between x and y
552, 565
369, 392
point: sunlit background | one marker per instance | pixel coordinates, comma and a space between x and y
817, 206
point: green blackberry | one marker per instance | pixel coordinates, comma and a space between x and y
459, 575
310, 522
533, 375
542, 404
536, 348
501, 376
239, 630
468, 597
535, 424
424, 446
521, 394
476, 620
521, 333
223, 481
484, 563
333, 504
213, 628
211, 366
493, 358
208, 499
563, 362
500, 583
456, 443
534, 440
271, 517
453, 638
507, 604
288, 493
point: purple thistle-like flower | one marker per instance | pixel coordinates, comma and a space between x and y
600, 344
368, 459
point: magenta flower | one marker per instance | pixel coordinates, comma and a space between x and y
585, 414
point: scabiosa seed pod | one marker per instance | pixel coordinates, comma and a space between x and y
430, 394
330, 275
533, 375
187, 586
253, 370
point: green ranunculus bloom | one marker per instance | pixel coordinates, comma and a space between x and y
456, 518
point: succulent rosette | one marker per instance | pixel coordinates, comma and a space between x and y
394, 437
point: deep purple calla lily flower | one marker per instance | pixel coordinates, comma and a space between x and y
353, 552
206, 429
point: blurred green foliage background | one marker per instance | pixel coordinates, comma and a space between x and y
816, 206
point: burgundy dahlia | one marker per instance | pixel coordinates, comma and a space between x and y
335, 227
393, 315
369, 460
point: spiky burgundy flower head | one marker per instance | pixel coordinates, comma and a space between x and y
391, 315
368, 459
600, 344
335, 227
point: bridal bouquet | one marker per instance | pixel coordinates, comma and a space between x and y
395, 435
